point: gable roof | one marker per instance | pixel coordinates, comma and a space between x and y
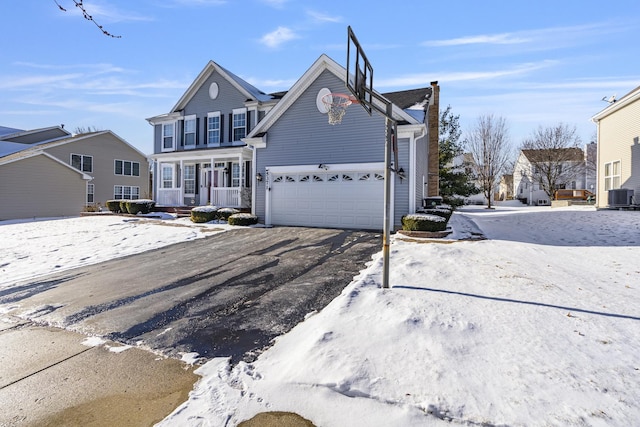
616, 105
249, 91
572, 154
323, 63
27, 154
29, 149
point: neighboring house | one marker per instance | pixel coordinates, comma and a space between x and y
568, 168
505, 191
52, 173
199, 156
228, 144
618, 131
311, 173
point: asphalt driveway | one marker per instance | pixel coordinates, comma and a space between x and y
229, 294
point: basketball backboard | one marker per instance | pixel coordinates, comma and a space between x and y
359, 72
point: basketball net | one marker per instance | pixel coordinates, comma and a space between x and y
337, 104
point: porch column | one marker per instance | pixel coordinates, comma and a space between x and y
211, 186
179, 183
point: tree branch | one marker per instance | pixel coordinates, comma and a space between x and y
79, 4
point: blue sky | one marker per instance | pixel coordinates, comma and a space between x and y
533, 63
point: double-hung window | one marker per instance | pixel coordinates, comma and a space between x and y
190, 131
82, 163
213, 128
91, 188
239, 123
125, 167
126, 192
167, 176
612, 175
168, 133
190, 179
235, 174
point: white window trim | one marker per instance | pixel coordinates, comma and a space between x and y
238, 111
613, 175
209, 115
184, 178
131, 189
123, 162
82, 157
173, 176
195, 132
173, 137
91, 190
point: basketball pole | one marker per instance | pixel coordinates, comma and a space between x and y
386, 240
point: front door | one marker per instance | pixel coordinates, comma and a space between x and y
205, 186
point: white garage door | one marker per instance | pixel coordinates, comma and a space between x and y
332, 199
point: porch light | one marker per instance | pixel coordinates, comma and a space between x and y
259, 177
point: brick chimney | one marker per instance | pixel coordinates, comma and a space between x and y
433, 129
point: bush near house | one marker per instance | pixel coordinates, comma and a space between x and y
225, 213
424, 222
243, 219
439, 211
204, 214
143, 206
113, 206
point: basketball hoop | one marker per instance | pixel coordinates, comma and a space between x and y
337, 104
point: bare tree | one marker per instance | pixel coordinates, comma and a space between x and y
86, 15
488, 144
89, 129
555, 156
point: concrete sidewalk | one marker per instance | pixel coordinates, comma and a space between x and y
49, 378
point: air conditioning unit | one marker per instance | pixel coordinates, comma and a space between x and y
620, 197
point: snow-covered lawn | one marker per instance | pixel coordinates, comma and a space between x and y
537, 326
32, 248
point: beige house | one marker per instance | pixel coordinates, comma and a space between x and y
618, 129
64, 175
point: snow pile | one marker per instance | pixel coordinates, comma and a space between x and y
537, 326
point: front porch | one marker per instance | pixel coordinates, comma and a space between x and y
219, 177
227, 197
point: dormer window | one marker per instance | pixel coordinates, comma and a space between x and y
239, 123
168, 136
190, 131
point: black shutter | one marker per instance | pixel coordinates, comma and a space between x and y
181, 132
221, 128
197, 130
205, 130
248, 123
230, 127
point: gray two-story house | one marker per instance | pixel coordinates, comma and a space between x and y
199, 156
228, 144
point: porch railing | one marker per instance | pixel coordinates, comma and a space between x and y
226, 197
169, 197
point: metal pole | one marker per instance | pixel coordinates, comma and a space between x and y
387, 197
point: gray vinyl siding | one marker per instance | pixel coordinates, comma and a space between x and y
39, 187
303, 136
422, 156
105, 149
401, 186
157, 139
